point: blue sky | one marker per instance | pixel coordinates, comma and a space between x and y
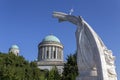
27, 22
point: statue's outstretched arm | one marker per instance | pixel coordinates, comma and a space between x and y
66, 17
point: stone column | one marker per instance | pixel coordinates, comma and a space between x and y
42, 52
49, 52
62, 54
56, 53
45, 52
53, 48
38, 54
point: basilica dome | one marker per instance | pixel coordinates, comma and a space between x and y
14, 47
50, 53
50, 49
51, 38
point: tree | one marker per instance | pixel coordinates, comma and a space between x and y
70, 70
54, 74
17, 68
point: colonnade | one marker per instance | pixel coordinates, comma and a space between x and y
50, 52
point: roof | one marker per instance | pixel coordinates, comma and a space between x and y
14, 47
51, 38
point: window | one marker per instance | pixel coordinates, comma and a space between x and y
47, 54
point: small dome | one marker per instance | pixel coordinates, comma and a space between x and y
14, 47
51, 38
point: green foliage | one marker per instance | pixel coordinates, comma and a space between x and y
17, 68
54, 74
70, 70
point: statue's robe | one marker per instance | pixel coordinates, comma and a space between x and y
90, 50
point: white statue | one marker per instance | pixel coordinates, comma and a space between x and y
110, 64
91, 56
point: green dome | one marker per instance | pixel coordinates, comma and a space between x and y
51, 38
14, 47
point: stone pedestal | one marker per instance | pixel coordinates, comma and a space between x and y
87, 75
86, 78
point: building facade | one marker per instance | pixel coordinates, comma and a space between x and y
50, 54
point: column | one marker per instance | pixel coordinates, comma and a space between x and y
53, 52
56, 53
62, 54
49, 52
45, 52
38, 54
42, 52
